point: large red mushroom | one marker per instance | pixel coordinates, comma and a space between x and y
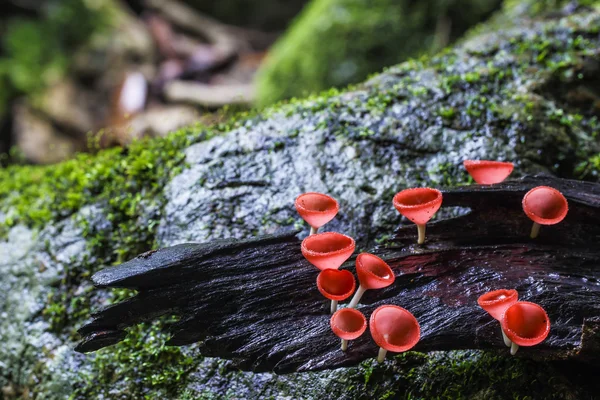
544, 206
348, 324
486, 172
496, 303
418, 205
327, 250
394, 329
373, 273
525, 324
316, 209
336, 285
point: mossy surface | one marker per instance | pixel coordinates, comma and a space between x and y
514, 96
338, 42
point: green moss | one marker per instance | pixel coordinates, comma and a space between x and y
141, 367
338, 42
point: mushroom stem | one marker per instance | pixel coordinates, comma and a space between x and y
334, 305
535, 230
359, 293
381, 355
421, 230
507, 341
313, 230
513, 348
344, 345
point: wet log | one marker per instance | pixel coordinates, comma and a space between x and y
256, 302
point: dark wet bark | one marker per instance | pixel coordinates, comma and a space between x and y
256, 301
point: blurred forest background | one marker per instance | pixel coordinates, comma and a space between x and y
79, 75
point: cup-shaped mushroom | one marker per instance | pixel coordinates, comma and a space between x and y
336, 285
316, 209
544, 206
525, 324
373, 273
394, 329
487, 172
327, 250
348, 324
418, 205
496, 302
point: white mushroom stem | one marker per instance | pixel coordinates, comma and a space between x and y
507, 341
334, 305
381, 355
359, 293
344, 345
535, 230
513, 348
421, 230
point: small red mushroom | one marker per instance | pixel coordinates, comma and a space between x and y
544, 206
327, 250
348, 324
336, 285
487, 172
418, 205
496, 302
316, 209
394, 329
525, 324
373, 273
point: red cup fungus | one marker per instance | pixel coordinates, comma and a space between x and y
316, 209
327, 250
394, 329
544, 206
525, 324
418, 205
348, 324
336, 285
486, 172
496, 303
373, 273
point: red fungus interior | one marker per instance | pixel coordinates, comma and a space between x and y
327, 243
527, 320
545, 202
336, 282
376, 266
416, 197
349, 320
317, 202
396, 326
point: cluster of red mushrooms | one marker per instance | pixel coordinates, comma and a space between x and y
394, 328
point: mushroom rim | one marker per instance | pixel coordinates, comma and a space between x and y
317, 212
433, 202
313, 253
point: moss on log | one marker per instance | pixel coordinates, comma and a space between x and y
528, 92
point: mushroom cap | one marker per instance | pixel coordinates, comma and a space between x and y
497, 301
316, 209
545, 205
336, 284
486, 172
525, 323
373, 272
418, 204
348, 323
327, 250
394, 328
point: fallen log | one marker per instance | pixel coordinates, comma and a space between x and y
255, 301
